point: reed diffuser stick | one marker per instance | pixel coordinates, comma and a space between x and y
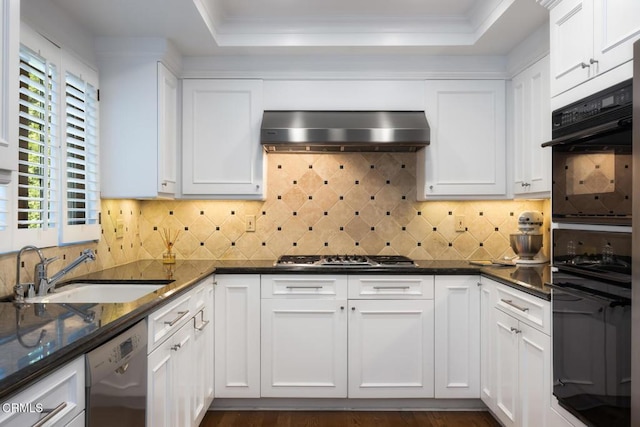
169, 238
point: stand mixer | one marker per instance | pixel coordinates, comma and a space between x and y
528, 242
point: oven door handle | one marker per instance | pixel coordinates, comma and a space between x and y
582, 292
596, 131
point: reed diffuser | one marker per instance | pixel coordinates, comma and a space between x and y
169, 239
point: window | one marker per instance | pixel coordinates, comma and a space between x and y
57, 189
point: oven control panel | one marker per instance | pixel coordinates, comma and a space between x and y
599, 104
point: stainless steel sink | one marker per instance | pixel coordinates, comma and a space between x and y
98, 293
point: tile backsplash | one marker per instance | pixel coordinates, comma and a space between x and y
335, 203
351, 203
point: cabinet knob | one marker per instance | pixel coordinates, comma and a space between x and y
584, 65
342, 307
593, 61
164, 183
176, 347
515, 331
353, 309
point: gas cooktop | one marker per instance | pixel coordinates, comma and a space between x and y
364, 261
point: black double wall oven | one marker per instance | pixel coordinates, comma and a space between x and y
591, 209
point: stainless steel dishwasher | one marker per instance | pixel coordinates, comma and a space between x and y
117, 380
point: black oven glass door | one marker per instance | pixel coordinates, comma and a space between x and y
592, 350
592, 179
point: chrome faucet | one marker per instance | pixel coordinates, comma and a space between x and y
46, 284
43, 284
19, 288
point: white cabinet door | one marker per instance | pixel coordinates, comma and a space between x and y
616, 26
487, 343
457, 337
571, 32
160, 387
391, 348
203, 359
589, 38
167, 130
9, 47
170, 380
531, 126
304, 348
221, 152
182, 345
534, 376
466, 157
138, 120
237, 335
506, 356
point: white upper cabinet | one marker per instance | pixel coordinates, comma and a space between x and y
466, 157
221, 152
9, 43
590, 37
138, 106
531, 126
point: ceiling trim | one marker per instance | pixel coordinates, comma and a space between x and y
442, 31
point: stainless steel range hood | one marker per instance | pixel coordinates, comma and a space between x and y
343, 131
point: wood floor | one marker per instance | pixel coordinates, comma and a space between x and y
347, 419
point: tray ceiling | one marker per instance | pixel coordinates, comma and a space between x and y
209, 27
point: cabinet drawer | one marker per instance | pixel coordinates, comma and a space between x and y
396, 287
168, 319
59, 395
528, 308
312, 286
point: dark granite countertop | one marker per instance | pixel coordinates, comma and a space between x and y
35, 339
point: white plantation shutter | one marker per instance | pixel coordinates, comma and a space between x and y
56, 190
82, 192
38, 177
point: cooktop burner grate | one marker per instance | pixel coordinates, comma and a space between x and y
344, 261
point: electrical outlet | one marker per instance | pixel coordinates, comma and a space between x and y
460, 227
250, 223
119, 228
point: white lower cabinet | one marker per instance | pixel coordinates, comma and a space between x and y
391, 348
457, 337
59, 397
304, 348
487, 343
237, 335
304, 336
179, 368
517, 356
376, 344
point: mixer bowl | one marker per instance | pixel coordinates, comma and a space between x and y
526, 246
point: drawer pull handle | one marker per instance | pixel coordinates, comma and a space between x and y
304, 287
51, 413
181, 314
176, 347
516, 306
391, 287
514, 330
202, 325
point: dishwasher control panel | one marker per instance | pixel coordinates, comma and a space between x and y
116, 353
